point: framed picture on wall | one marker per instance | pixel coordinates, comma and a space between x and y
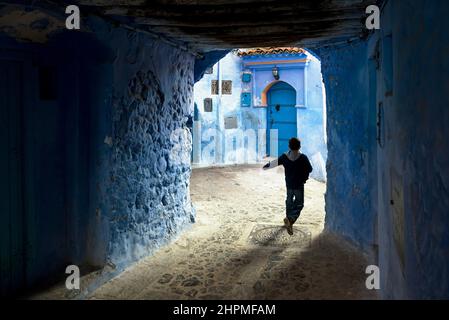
214, 87
226, 86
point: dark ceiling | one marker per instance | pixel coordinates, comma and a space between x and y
207, 25
222, 24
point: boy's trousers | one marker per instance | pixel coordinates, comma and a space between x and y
294, 203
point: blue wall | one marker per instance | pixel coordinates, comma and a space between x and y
414, 159
311, 119
350, 209
106, 164
212, 130
388, 184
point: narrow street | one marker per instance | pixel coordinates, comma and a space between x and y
238, 249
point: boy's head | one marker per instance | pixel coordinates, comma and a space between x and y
294, 144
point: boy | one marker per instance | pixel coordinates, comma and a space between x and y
297, 170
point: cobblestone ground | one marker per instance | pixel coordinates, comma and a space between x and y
238, 248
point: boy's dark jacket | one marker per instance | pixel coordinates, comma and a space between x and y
296, 172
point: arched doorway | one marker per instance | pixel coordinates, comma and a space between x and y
281, 116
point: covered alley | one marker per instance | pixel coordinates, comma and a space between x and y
97, 129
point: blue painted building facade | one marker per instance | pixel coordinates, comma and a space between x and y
253, 101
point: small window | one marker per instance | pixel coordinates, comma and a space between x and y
48, 85
246, 99
246, 77
209, 70
230, 122
226, 86
208, 105
214, 87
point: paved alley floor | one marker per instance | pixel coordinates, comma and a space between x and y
238, 248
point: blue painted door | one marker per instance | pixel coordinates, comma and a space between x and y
281, 116
12, 245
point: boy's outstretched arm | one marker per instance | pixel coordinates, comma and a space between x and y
271, 164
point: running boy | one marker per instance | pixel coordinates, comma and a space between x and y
297, 170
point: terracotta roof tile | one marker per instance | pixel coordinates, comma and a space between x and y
271, 50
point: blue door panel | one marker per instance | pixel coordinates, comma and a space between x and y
12, 245
281, 115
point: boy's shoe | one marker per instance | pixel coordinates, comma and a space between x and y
288, 226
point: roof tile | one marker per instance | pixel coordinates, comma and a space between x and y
270, 50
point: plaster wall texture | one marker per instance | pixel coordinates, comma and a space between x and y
388, 154
414, 156
348, 200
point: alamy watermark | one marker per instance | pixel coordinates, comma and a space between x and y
373, 280
73, 21
373, 20
72, 282
215, 145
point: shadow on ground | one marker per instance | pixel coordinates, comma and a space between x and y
239, 249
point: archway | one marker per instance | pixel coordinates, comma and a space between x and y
281, 117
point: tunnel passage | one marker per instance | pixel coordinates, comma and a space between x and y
96, 155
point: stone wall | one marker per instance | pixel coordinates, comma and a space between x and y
148, 187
